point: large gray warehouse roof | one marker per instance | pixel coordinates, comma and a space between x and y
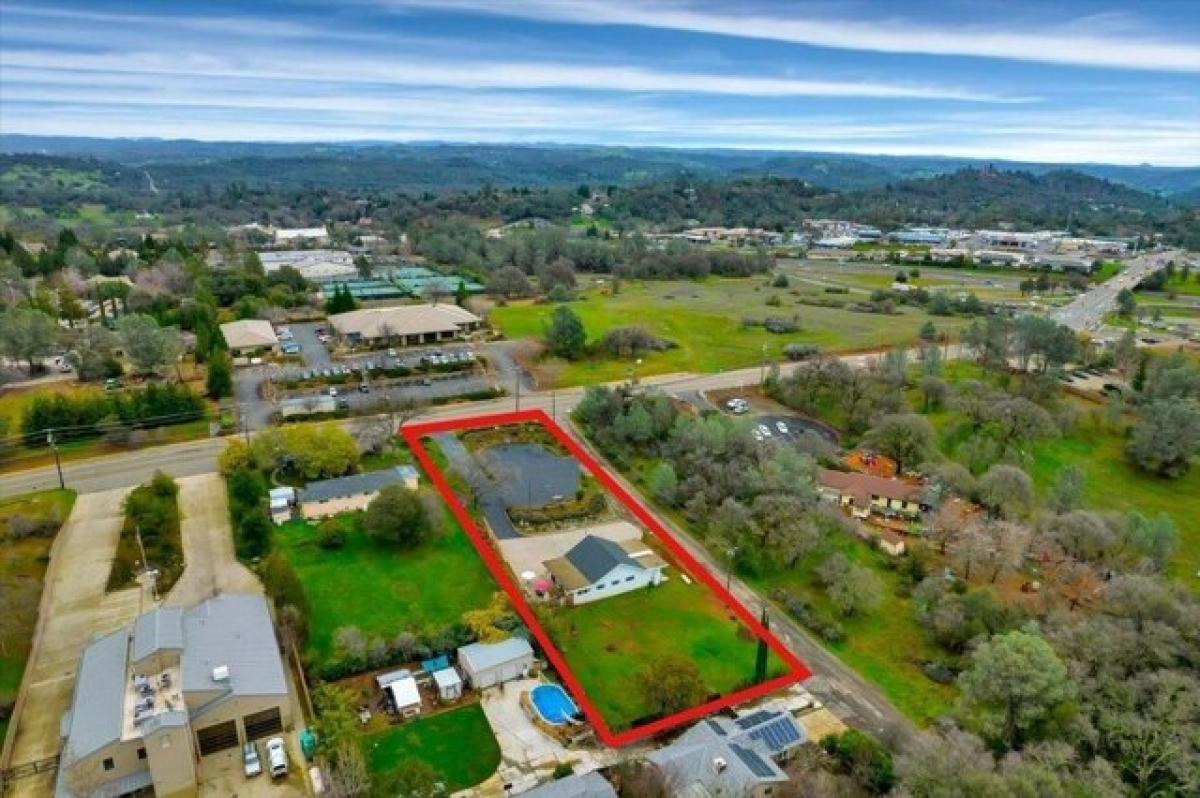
235, 631
96, 709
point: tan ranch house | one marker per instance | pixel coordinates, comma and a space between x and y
152, 700
346, 494
863, 494
404, 325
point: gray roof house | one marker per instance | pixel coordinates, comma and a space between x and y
596, 568
151, 698
722, 756
586, 785
355, 492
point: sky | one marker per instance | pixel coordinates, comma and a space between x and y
1112, 82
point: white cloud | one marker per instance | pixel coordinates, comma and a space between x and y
1092, 42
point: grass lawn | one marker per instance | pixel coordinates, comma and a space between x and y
383, 590
886, 647
458, 744
703, 318
22, 568
608, 642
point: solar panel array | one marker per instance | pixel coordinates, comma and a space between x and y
777, 735
757, 765
754, 718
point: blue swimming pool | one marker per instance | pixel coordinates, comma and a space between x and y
553, 704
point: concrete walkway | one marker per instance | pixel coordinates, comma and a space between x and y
210, 565
74, 610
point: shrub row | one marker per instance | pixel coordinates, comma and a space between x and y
80, 414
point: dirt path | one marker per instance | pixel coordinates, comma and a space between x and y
210, 566
74, 610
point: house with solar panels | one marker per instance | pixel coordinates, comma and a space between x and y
731, 756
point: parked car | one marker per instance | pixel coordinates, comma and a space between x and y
782, 427
391, 353
333, 391
250, 761
758, 436
364, 388
112, 384
765, 430
277, 758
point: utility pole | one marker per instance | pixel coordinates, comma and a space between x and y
57, 464
137, 531
517, 381
553, 405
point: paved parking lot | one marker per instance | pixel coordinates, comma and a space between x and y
791, 429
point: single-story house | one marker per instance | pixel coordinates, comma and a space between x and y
343, 494
723, 756
489, 664
448, 683
250, 337
404, 325
597, 568
862, 494
584, 785
153, 699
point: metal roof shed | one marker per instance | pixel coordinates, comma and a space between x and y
488, 664
449, 684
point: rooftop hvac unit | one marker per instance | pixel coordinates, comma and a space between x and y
221, 673
719, 764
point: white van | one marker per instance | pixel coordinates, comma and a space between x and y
277, 759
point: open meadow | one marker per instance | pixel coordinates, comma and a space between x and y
704, 319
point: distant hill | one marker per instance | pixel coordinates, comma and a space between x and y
188, 164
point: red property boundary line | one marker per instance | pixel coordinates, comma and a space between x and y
797, 671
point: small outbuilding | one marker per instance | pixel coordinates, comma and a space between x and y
489, 664
448, 683
282, 500
402, 688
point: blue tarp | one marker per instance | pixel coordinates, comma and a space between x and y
435, 664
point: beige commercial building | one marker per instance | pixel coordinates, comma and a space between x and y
404, 325
250, 336
151, 700
347, 494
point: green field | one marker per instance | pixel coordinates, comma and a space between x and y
380, 589
1113, 484
22, 568
704, 319
459, 745
606, 643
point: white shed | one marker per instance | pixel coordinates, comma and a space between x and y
449, 684
489, 664
406, 696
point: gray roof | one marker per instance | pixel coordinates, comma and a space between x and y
482, 656
157, 630
164, 720
595, 557
96, 709
355, 484
233, 630
746, 745
126, 785
588, 785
